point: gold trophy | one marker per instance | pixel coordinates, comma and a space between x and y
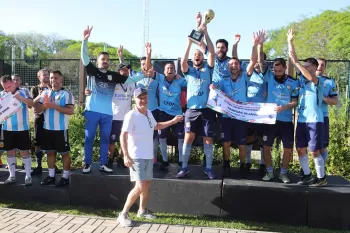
197, 35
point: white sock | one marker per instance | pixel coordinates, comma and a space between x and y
180, 145
11, 162
304, 163
319, 166
52, 172
27, 161
65, 174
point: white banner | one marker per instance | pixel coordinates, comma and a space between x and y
8, 106
251, 112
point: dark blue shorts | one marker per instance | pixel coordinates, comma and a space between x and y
281, 129
178, 128
326, 132
116, 131
255, 129
309, 135
200, 121
155, 114
234, 130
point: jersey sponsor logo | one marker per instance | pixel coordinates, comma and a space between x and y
200, 93
302, 108
169, 103
103, 84
289, 87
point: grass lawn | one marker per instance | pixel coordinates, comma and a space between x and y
165, 218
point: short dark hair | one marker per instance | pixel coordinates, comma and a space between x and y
169, 62
280, 61
142, 58
222, 41
312, 61
236, 58
103, 53
323, 59
5, 78
41, 71
57, 72
16, 75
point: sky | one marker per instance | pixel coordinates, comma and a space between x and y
120, 22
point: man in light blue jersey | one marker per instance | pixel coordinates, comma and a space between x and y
235, 88
330, 97
98, 106
283, 91
310, 119
169, 106
198, 118
15, 131
57, 104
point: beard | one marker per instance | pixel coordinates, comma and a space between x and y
222, 55
279, 79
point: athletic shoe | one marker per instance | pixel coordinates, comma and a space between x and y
10, 180
262, 170
209, 172
247, 167
306, 180
183, 173
110, 163
37, 171
124, 220
284, 178
146, 214
242, 171
28, 181
163, 165
104, 168
86, 169
301, 173
318, 182
62, 182
49, 181
268, 176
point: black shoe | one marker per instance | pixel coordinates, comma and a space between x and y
247, 167
226, 167
301, 173
37, 171
120, 163
318, 182
163, 165
262, 170
110, 163
242, 171
306, 180
62, 182
49, 181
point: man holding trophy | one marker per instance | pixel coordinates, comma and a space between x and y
198, 118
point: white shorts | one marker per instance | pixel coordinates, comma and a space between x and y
142, 169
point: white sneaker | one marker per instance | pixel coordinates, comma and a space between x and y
10, 180
125, 220
104, 168
86, 169
28, 181
146, 214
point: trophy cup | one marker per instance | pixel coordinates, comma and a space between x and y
197, 35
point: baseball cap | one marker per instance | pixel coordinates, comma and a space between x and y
139, 91
121, 66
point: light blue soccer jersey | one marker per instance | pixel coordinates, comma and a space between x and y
329, 90
53, 119
20, 120
310, 101
151, 85
169, 95
282, 94
198, 82
256, 87
220, 68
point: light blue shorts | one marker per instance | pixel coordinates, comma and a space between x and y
142, 169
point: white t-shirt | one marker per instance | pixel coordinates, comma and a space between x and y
121, 101
140, 130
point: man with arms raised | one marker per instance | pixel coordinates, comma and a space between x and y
136, 141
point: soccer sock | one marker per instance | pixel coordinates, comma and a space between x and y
11, 162
186, 150
248, 153
283, 170
319, 165
163, 147
208, 151
325, 155
180, 146
304, 163
262, 160
52, 172
39, 158
27, 161
269, 169
65, 174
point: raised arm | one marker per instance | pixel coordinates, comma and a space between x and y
84, 48
184, 59
261, 60
120, 54
235, 45
254, 56
148, 50
293, 57
211, 51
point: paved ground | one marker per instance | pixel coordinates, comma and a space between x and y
13, 220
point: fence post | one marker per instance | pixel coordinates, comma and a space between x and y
2, 64
82, 83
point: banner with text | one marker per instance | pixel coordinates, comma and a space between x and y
8, 107
251, 112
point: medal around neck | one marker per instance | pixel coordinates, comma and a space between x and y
197, 35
